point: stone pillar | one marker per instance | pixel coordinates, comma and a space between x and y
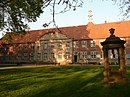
122, 68
106, 65
118, 57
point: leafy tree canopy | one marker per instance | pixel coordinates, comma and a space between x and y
15, 14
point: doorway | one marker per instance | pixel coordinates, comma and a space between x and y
75, 58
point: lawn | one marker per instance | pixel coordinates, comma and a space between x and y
59, 81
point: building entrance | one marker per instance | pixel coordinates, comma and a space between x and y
75, 58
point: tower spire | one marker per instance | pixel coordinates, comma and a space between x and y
90, 16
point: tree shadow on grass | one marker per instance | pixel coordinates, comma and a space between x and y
71, 86
79, 86
68, 82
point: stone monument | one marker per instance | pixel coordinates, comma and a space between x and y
114, 43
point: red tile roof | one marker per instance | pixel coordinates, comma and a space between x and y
76, 32
122, 29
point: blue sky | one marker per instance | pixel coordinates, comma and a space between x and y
103, 10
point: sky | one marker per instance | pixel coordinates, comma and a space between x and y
102, 10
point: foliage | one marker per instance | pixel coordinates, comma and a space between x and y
15, 14
59, 81
124, 6
10, 36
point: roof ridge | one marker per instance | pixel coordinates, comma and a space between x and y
113, 22
55, 28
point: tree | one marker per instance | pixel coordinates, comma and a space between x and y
15, 14
124, 6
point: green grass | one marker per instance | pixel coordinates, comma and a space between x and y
59, 81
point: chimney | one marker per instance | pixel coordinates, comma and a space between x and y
105, 21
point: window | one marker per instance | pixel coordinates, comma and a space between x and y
31, 56
19, 47
45, 56
84, 43
92, 43
67, 55
93, 54
52, 46
59, 55
25, 55
127, 55
60, 45
7, 47
45, 46
19, 56
11, 56
75, 53
84, 54
75, 44
52, 56
25, 46
38, 56
112, 54
68, 44
32, 46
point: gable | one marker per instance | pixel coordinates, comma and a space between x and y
53, 36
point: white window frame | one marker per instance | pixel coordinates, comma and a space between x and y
75, 44
52, 46
68, 44
84, 43
25, 46
45, 46
45, 56
84, 55
32, 46
31, 56
60, 55
19, 46
67, 55
52, 56
92, 43
60, 45
93, 54
19, 55
38, 56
